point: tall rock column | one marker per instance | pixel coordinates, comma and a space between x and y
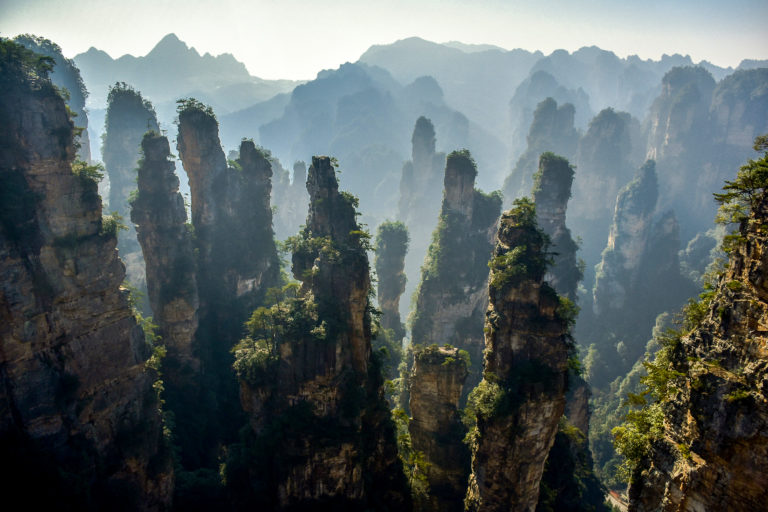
391, 247
237, 261
166, 241
452, 294
420, 195
79, 421
129, 116
551, 191
435, 425
321, 430
522, 395
707, 448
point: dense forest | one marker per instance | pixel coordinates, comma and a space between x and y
440, 278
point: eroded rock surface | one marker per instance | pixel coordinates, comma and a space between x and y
79, 421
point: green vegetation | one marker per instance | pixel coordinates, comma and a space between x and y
528, 258
22, 67
189, 105
111, 224
743, 194
288, 318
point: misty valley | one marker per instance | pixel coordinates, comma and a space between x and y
444, 277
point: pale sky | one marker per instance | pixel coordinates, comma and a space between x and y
297, 38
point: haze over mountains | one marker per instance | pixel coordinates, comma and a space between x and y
549, 216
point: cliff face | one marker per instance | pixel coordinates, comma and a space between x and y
712, 453
166, 242
128, 117
637, 279
65, 75
551, 130
522, 395
551, 191
160, 218
607, 156
236, 262
451, 297
79, 420
391, 247
435, 426
321, 432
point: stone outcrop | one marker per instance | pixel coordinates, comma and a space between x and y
638, 277
713, 452
166, 241
419, 202
129, 116
607, 157
435, 426
79, 421
391, 248
236, 261
551, 191
522, 395
452, 295
551, 130
321, 430
65, 75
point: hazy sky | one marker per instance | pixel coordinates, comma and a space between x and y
297, 38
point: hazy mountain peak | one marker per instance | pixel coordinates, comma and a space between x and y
171, 46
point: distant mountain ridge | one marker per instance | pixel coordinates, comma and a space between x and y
172, 70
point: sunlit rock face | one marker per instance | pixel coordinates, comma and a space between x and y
452, 294
525, 373
79, 421
435, 426
713, 452
315, 403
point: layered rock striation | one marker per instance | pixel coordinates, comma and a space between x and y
320, 430
452, 295
435, 426
79, 420
521, 398
710, 451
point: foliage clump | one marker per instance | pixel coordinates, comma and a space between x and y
22, 67
743, 195
527, 257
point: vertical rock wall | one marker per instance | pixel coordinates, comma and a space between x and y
522, 396
79, 422
435, 425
